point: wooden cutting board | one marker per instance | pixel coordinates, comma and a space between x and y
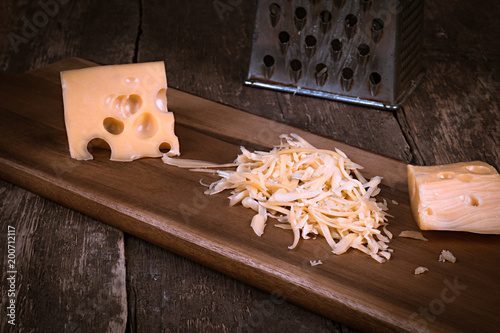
166, 206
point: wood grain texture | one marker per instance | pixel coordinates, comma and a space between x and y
39, 35
454, 116
167, 207
168, 297
81, 285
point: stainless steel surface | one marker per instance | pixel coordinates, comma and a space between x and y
364, 51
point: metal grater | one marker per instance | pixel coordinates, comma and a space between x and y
365, 52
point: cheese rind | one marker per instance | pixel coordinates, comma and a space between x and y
461, 197
124, 105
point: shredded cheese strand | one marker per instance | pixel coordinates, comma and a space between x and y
314, 191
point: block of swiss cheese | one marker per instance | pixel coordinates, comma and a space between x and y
461, 197
124, 105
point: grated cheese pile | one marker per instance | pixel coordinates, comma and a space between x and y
308, 190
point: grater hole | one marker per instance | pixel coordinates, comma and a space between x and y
347, 73
350, 25
363, 50
321, 69
274, 13
363, 54
310, 41
295, 65
274, 9
336, 45
310, 45
321, 74
268, 65
300, 13
325, 17
351, 20
295, 70
346, 78
269, 61
377, 25
375, 78
284, 37
300, 17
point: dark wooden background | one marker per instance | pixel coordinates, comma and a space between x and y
76, 274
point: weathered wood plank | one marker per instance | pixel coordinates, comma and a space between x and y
169, 293
70, 268
454, 116
37, 34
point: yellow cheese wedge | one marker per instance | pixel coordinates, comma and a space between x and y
461, 197
124, 105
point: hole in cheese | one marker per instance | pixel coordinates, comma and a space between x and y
428, 211
132, 104
472, 200
145, 126
113, 125
108, 100
466, 178
98, 147
478, 169
165, 147
446, 175
97, 143
131, 79
117, 103
161, 100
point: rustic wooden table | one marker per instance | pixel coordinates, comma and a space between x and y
76, 274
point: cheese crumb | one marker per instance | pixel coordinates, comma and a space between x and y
313, 191
315, 262
420, 270
447, 256
395, 202
412, 234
